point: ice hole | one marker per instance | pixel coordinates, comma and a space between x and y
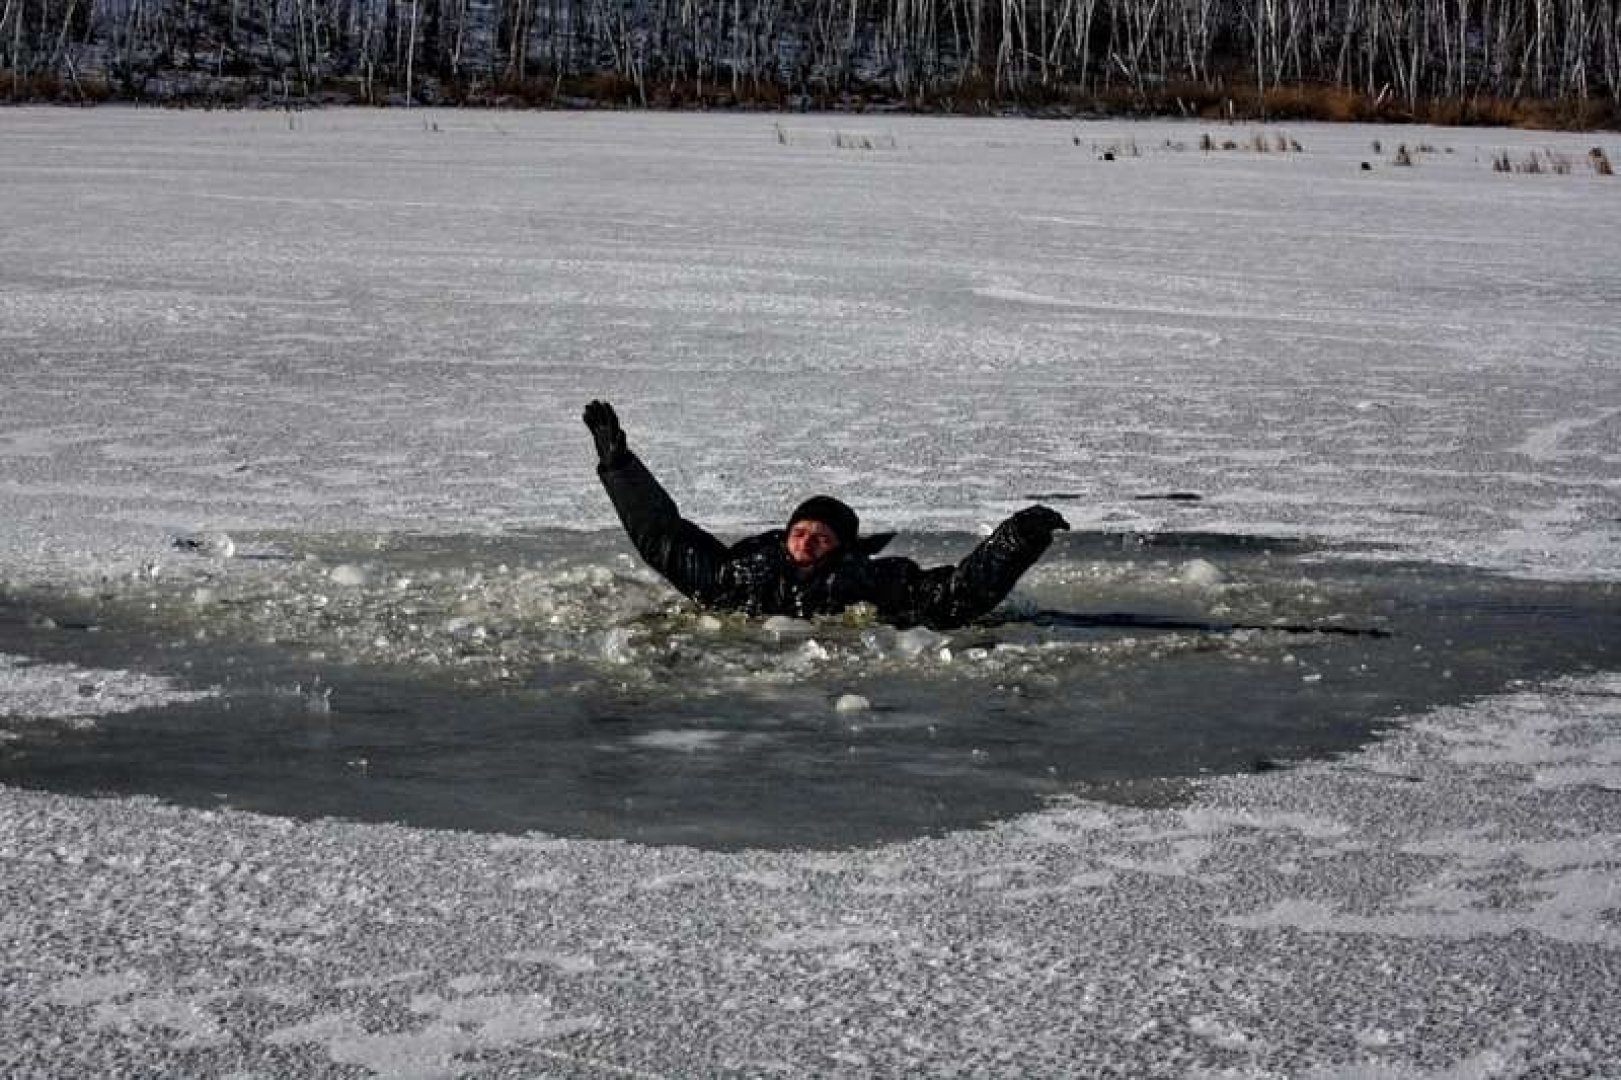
541, 682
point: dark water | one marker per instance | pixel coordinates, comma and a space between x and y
542, 682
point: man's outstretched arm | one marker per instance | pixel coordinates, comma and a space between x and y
950, 596
688, 556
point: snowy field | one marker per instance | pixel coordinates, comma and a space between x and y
369, 323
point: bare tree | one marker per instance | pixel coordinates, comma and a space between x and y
1414, 50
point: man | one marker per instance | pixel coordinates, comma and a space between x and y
820, 564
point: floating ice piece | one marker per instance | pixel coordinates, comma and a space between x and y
215, 545
783, 628
850, 703
814, 650
461, 626
617, 647
918, 640
1202, 574
35, 691
347, 574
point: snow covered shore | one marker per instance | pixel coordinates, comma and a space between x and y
388, 321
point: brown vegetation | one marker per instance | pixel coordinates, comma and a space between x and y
1552, 162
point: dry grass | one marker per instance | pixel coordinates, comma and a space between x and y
1330, 103
1530, 114
863, 141
610, 90
50, 88
1120, 148
1229, 96
1475, 112
1259, 142
1337, 104
1551, 162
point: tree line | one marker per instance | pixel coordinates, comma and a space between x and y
1165, 54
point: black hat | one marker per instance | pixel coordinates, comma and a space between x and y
832, 513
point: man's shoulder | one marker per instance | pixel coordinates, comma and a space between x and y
761, 544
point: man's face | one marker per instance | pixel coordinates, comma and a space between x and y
809, 542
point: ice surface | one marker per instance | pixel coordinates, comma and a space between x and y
365, 322
35, 693
368, 322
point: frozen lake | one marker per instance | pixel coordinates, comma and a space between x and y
221, 319
345, 337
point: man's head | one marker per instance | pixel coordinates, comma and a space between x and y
818, 527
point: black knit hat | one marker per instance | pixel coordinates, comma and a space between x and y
832, 513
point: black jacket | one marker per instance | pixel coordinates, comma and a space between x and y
755, 576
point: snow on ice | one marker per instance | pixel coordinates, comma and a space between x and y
223, 325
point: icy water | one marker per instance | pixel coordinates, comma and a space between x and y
545, 682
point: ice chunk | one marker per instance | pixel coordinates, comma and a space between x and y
465, 628
918, 640
1201, 574
617, 647
851, 703
782, 628
347, 574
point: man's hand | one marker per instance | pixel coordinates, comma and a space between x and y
1038, 523
606, 432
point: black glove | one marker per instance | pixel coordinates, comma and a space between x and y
1036, 524
608, 435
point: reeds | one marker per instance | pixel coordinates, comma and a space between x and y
1259, 142
1539, 162
859, 141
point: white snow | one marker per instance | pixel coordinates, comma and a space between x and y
217, 324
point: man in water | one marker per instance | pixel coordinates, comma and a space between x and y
820, 564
